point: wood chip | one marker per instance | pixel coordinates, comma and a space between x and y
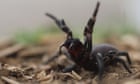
6, 42
135, 56
28, 77
9, 70
77, 76
131, 41
41, 75
132, 82
34, 51
66, 74
11, 50
73, 75
10, 81
136, 76
45, 79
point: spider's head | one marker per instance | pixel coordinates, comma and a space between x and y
73, 46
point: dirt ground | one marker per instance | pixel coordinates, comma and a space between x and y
24, 64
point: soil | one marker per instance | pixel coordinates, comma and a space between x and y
24, 64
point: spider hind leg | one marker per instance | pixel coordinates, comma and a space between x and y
126, 55
119, 60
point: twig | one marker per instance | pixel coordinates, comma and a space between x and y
77, 76
10, 81
10, 50
34, 51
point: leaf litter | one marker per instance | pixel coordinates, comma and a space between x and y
24, 64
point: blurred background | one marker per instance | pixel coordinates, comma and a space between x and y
29, 15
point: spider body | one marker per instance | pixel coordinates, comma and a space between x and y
83, 54
105, 51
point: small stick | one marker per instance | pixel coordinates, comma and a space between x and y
76, 75
10, 50
10, 81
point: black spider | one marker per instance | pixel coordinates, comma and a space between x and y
96, 58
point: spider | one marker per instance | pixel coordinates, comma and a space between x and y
83, 54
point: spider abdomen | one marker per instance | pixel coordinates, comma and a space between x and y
104, 49
107, 51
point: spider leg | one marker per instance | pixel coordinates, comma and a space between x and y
53, 58
100, 64
117, 59
59, 53
89, 29
62, 25
69, 68
126, 55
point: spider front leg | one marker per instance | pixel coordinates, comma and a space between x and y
89, 29
62, 25
69, 68
53, 57
59, 53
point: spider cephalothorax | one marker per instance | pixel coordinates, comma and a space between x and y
83, 54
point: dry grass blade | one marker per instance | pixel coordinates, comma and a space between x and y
10, 81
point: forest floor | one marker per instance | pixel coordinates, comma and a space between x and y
24, 64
